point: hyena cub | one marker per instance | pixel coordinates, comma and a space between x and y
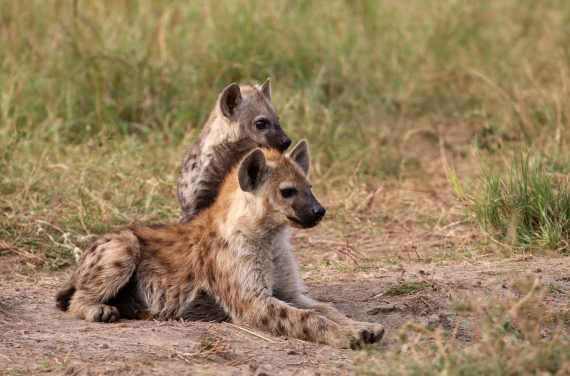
242, 120
232, 262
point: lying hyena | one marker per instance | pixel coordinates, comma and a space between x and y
232, 262
242, 120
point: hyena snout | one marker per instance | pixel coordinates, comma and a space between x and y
312, 213
286, 142
279, 139
318, 211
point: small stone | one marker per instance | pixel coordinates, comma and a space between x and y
104, 346
291, 352
382, 308
433, 318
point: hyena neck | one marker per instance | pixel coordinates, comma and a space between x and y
219, 130
242, 217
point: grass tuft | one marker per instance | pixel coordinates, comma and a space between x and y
406, 288
527, 211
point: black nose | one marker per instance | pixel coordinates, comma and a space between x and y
286, 142
318, 211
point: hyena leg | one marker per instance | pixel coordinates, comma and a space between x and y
288, 287
103, 270
277, 317
373, 331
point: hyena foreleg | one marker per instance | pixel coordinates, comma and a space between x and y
376, 331
288, 288
102, 271
279, 318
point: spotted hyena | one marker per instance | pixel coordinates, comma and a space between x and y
242, 120
233, 262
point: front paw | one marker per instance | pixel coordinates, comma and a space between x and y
364, 334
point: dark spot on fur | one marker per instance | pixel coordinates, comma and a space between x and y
163, 243
305, 331
130, 251
265, 322
118, 265
99, 269
283, 312
190, 277
193, 165
142, 241
280, 329
322, 327
93, 248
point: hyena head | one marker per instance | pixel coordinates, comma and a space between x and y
280, 182
249, 109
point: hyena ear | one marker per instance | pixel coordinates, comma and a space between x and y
266, 89
250, 170
229, 99
300, 155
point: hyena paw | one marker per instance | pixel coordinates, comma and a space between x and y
365, 333
103, 313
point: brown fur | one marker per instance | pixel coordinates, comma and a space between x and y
232, 262
229, 134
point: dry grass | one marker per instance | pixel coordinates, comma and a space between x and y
517, 334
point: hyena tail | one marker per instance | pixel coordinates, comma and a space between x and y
64, 296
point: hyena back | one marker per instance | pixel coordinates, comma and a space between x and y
242, 120
232, 262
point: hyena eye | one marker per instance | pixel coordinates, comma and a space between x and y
288, 192
260, 124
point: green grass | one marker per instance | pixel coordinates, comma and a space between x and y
519, 335
529, 210
406, 288
553, 289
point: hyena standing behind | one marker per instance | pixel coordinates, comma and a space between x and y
242, 120
232, 262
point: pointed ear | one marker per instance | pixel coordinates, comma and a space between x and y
266, 89
300, 155
229, 99
250, 170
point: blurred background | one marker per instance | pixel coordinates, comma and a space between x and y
99, 100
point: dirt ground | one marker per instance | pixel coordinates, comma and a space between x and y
36, 338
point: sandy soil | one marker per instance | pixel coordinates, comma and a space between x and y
36, 338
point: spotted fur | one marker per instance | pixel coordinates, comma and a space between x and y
229, 134
233, 262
